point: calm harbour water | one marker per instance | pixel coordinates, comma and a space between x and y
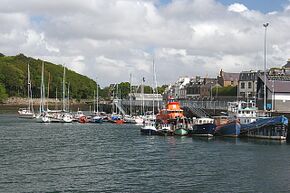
37, 157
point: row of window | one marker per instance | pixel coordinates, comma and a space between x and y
243, 85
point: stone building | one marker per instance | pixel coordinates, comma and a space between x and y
247, 86
228, 79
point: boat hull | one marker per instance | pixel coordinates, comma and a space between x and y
275, 128
181, 132
97, 120
231, 129
27, 116
148, 131
203, 130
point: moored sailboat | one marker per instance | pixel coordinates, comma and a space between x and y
29, 111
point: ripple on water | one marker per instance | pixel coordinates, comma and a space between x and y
116, 158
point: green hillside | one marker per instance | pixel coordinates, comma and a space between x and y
13, 77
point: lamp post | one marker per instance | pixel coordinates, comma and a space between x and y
265, 63
211, 92
273, 94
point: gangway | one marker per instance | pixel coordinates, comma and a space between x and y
117, 103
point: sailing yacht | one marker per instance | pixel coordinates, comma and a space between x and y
42, 115
149, 126
55, 116
96, 117
29, 111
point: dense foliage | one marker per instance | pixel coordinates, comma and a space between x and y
13, 76
3, 94
225, 91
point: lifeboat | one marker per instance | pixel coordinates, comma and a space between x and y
171, 112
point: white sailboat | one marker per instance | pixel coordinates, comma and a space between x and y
96, 117
55, 116
149, 127
65, 116
29, 111
42, 115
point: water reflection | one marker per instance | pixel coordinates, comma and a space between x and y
263, 141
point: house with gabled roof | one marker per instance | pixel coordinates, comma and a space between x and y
228, 78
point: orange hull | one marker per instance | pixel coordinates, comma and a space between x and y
119, 121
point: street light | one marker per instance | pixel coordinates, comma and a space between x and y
273, 94
265, 63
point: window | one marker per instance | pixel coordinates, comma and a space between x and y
242, 85
249, 85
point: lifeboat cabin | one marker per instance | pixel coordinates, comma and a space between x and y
171, 112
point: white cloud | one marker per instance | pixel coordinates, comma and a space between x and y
111, 39
237, 7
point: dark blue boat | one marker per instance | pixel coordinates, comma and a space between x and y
203, 130
231, 129
267, 128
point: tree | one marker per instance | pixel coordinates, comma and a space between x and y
224, 91
161, 89
3, 94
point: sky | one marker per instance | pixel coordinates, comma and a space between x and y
108, 40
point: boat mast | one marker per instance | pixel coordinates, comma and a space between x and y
94, 102
30, 92
63, 89
48, 89
68, 96
42, 90
130, 94
153, 90
155, 81
117, 93
56, 99
28, 87
142, 92
97, 95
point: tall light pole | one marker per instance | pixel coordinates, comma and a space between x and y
265, 64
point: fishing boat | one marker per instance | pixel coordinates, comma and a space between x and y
239, 112
230, 129
203, 127
181, 126
29, 111
149, 128
267, 128
165, 129
245, 112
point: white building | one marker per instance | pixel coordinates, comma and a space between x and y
178, 89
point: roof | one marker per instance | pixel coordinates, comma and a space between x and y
227, 76
248, 76
287, 65
281, 86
